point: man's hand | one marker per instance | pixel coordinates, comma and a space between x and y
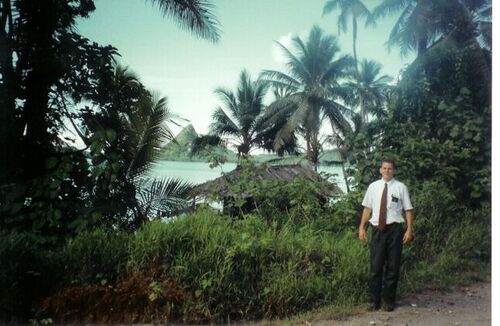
408, 236
409, 227
362, 234
362, 224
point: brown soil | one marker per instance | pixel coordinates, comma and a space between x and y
129, 301
140, 297
469, 305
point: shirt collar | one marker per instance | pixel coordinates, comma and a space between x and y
390, 182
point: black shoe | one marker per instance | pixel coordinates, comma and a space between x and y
373, 306
389, 307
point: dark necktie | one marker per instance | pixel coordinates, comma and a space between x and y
382, 218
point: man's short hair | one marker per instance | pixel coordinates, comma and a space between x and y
388, 160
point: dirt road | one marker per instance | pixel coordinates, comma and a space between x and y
469, 305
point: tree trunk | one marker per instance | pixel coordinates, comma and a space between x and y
354, 37
42, 74
10, 132
344, 172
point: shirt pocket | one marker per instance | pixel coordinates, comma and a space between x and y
395, 201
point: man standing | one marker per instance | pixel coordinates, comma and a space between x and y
385, 201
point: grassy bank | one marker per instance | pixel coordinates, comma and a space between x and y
210, 268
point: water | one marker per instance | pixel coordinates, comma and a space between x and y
199, 172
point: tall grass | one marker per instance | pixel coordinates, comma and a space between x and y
248, 268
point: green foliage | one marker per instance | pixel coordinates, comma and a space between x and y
437, 130
50, 207
97, 256
459, 255
249, 269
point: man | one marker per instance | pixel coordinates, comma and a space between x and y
385, 201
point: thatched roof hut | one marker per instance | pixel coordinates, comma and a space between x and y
271, 172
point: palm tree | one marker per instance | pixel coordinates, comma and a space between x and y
423, 23
240, 117
367, 90
354, 8
313, 89
125, 139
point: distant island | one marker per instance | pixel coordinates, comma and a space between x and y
179, 149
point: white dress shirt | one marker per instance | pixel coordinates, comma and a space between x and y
398, 200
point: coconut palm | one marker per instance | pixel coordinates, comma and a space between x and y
354, 8
312, 95
423, 23
367, 90
240, 117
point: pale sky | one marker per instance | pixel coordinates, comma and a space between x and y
187, 69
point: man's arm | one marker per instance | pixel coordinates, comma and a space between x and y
362, 225
409, 227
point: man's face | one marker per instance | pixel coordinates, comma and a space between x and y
387, 171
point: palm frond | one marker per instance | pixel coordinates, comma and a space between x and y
195, 15
330, 6
282, 109
229, 100
279, 79
286, 132
342, 21
388, 7
338, 69
400, 28
222, 124
148, 130
333, 111
295, 65
169, 195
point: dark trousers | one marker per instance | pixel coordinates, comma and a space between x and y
385, 258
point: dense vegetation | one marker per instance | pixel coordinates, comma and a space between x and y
77, 240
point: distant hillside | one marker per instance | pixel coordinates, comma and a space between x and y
177, 147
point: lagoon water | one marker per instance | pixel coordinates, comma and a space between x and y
199, 172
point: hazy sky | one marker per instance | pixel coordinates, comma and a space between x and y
187, 69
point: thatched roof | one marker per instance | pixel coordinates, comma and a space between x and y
271, 172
